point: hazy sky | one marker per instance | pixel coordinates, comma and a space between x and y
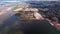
29, 0
24, 0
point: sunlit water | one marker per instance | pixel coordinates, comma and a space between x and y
7, 18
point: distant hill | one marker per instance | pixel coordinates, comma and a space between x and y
39, 4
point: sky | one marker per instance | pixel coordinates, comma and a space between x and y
28, 0
24, 0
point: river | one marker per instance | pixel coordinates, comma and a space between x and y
7, 18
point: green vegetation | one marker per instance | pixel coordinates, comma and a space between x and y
22, 15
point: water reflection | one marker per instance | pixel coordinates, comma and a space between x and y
7, 19
8, 22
